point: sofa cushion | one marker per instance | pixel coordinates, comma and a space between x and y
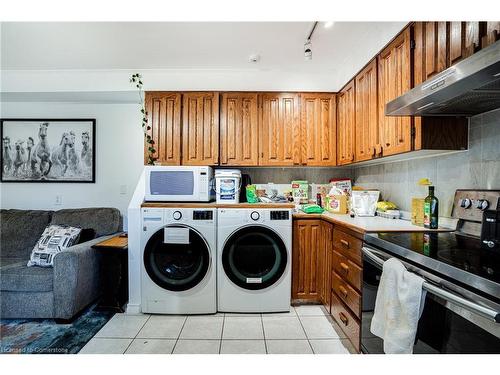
17, 277
103, 220
20, 231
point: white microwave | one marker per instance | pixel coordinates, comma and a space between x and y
179, 184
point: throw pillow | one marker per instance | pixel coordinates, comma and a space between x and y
55, 238
87, 234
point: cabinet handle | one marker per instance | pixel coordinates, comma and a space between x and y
343, 291
345, 243
343, 318
352, 157
387, 144
344, 267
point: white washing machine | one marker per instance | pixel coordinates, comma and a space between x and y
254, 259
178, 272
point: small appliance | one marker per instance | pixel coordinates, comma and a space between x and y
254, 257
461, 276
179, 183
178, 272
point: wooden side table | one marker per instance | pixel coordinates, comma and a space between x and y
114, 272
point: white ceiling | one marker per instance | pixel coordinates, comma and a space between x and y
338, 52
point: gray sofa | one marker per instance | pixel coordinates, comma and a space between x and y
72, 284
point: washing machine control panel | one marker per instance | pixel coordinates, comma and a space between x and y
280, 215
203, 215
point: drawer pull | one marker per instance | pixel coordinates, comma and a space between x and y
343, 291
345, 243
344, 267
343, 318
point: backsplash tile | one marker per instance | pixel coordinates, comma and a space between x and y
477, 168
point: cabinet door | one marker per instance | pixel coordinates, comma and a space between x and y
200, 128
318, 129
430, 55
306, 262
346, 118
366, 129
491, 33
164, 120
279, 129
326, 268
463, 40
239, 129
394, 79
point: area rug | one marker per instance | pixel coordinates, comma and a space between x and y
30, 336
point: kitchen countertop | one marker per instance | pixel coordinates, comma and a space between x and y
369, 224
216, 205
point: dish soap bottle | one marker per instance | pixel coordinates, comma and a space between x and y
431, 210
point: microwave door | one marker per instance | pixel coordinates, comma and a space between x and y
173, 185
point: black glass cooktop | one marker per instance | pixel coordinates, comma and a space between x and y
452, 255
463, 252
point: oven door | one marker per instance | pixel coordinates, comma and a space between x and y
444, 327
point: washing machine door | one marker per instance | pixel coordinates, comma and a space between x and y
177, 266
254, 257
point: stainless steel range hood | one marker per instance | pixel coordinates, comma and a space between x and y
467, 88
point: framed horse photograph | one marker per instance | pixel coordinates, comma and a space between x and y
48, 150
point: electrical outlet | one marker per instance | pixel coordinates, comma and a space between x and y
59, 200
123, 189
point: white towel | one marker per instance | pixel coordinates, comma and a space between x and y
399, 304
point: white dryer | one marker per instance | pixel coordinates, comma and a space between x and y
254, 258
178, 273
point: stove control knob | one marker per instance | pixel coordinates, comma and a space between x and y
177, 215
482, 204
490, 244
465, 203
255, 216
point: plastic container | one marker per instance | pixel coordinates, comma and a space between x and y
227, 185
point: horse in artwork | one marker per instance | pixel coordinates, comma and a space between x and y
60, 156
7, 155
86, 155
41, 153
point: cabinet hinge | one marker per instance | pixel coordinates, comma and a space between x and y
413, 132
412, 44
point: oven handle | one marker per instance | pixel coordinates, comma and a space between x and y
451, 297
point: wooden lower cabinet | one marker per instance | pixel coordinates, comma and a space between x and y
327, 269
349, 324
306, 264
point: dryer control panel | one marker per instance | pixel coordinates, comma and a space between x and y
280, 215
203, 215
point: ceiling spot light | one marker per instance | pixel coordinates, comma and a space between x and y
328, 24
255, 58
308, 54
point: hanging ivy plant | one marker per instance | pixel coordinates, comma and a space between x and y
136, 80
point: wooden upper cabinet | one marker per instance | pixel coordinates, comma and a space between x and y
279, 129
491, 33
394, 79
366, 129
346, 117
318, 129
200, 128
164, 120
463, 40
239, 129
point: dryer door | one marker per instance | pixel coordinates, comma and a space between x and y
254, 257
177, 266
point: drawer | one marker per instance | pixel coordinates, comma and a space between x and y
348, 270
347, 322
347, 245
347, 294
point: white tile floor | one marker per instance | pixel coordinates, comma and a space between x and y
304, 330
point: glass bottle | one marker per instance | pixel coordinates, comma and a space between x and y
431, 210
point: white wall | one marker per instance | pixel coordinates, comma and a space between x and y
119, 158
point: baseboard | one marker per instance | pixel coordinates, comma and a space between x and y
133, 309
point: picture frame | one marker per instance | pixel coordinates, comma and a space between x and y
48, 150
